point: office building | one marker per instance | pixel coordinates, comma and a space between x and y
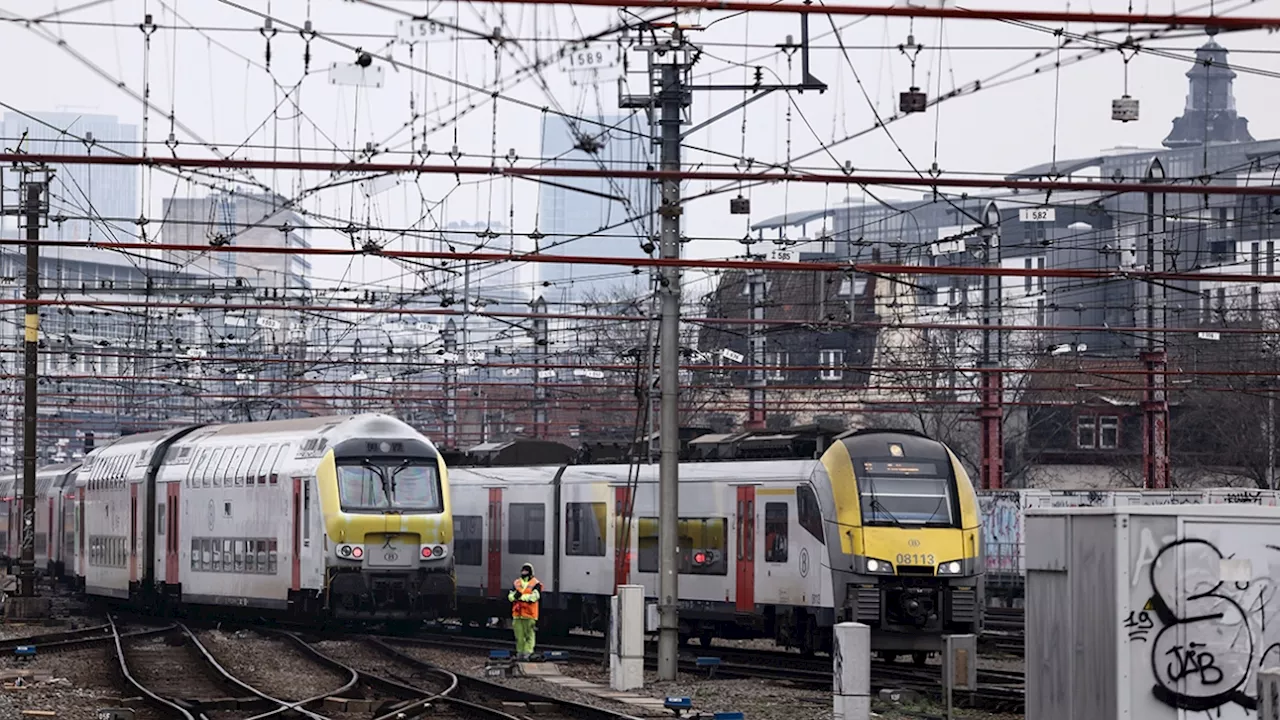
97, 202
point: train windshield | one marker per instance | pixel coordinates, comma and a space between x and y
406, 486
896, 492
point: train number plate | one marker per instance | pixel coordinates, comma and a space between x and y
390, 551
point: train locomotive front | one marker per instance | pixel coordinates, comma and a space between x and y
903, 539
388, 527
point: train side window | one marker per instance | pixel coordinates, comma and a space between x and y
647, 533
776, 525
239, 550
584, 528
527, 529
468, 537
809, 512
212, 468
271, 557
195, 553
702, 546
253, 469
237, 457
275, 462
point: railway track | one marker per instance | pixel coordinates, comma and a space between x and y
442, 693
1000, 690
178, 675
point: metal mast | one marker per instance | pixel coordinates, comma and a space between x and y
669, 63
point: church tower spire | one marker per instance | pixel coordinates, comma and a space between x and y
1210, 114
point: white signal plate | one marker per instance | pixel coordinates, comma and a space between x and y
1038, 214
782, 255
728, 354
354, 75
417, 30
1209, 335
546, 373
593, 56
511, 372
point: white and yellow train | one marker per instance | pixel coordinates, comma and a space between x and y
345, 517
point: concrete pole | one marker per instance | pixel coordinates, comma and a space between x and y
626, 638
852, 657
672, 97
30, 399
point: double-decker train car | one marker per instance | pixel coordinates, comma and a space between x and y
54, 518
345, 517
883, 529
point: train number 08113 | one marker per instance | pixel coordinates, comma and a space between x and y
915, 559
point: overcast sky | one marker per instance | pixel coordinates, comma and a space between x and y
215, 81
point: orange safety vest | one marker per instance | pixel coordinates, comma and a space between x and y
520, 608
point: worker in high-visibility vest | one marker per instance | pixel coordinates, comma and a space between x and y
524, 597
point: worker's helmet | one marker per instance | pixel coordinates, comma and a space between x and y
526, 566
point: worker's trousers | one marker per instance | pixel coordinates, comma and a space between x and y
525, 635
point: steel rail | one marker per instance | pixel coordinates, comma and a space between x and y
284, 705
124, 670
585, 712
837, 178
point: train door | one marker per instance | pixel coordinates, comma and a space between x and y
133, 532
746, 542
51, 541
298, 520
171, 531
624, 523
81, 562
495, 583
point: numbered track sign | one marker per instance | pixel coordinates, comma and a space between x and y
417, 30
1039, 214
584, 59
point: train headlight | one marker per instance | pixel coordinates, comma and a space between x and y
950, 568
879, 566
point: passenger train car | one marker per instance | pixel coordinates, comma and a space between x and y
883, 530
345, 517
55, 518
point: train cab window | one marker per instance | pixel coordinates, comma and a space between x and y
899, 492
527, 529
468, 539
808, 512
414, 486
584, 528
776, 525
702, 546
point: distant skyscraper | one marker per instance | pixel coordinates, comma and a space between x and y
600, 208
239, 218
107, 193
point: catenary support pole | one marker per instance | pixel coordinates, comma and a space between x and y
991, 412
1155, 405
30, 401
673, 97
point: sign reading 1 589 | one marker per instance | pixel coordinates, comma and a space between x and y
588, 57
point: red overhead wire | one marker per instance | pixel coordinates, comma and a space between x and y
714, 175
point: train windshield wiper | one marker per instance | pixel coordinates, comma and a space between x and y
876, 504
391, 496
382, 477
